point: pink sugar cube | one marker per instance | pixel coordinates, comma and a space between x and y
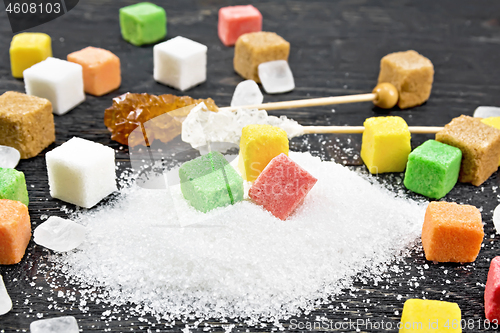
282, 186
235, 21
492, 291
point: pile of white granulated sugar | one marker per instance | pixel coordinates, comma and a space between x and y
241, 262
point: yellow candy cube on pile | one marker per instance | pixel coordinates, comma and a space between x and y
27, 49
259, 144
430, 316
494, 122
386, 144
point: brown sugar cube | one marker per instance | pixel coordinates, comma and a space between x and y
451, 232
254, 48
480, 146
26, 123
411, 73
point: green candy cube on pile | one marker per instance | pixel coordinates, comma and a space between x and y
433, 169
208, 182
13, 186
143, 23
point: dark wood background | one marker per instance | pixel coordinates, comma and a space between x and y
336, 47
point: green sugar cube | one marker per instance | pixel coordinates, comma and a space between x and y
13, 186
433, 169
143, 23
208, 182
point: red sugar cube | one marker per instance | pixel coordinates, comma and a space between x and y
235, 21
492, 291
282, 186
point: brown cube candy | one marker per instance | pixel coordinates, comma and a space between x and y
411, 73
26, 123
480, 146
255, 48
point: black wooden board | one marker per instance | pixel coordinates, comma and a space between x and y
336, 47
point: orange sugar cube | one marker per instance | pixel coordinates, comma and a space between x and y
101, 70
15, 231
451, 232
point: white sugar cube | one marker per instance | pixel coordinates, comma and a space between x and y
247, 93
59, 81
81, 172
5, 301
487, 111
67, 324
180, 63
59, 234
276, 77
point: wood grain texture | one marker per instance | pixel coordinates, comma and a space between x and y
336, 47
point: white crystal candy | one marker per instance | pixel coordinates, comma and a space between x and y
59, 81
66, 324
202, 126
9, 157
487, 111
5, 301
59, 234
247, 93
276, 77
496, 219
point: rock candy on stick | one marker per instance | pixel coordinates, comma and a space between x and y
201, 126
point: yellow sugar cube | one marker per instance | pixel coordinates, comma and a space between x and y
259, 144
430, 316
27, 49
493, 122
386, 144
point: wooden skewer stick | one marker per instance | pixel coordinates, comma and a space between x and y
307, 102
385, 95
361, 129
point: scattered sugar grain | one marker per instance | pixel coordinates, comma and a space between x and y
250, 265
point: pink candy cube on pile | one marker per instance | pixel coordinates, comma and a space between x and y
235, 21
492, 291
282, 186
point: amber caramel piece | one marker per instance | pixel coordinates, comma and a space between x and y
411, 73
480, 146
255, 48
26, 123
131, 110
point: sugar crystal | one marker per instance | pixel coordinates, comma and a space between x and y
5, 301
59, 234
496, 219
276, 77
65, 324
9, 157
247, 93
487, 111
